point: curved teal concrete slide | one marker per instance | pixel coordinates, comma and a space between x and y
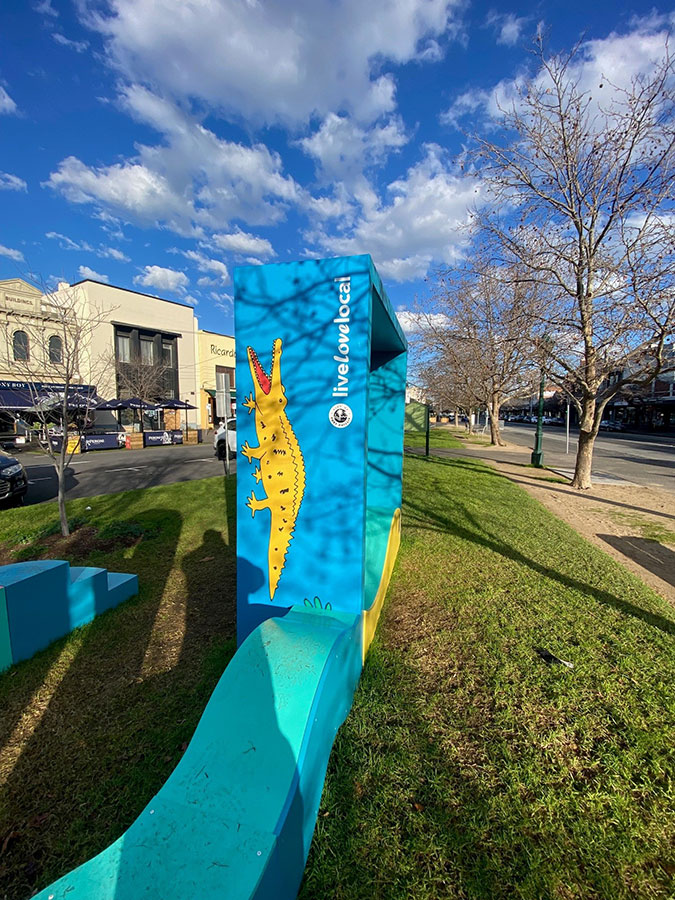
235, 819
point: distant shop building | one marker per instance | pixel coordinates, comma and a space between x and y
141, 345
216, 355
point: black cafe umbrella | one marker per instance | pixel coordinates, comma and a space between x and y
113, 404
175, 404
137, 403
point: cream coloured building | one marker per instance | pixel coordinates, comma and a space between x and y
216, 354
23, 312
129, 327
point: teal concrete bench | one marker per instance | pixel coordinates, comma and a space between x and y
235, 819
43, 600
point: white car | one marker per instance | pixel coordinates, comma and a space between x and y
219, 439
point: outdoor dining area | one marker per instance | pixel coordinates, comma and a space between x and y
93, 423
140, 423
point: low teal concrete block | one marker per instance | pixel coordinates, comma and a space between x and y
37, 604
88, 588
5, 642
44, 600
120, 588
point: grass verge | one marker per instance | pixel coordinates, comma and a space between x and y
470, 767
93, 726
438, 439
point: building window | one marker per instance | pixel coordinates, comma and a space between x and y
20, 346
147, 351
123, 348
55, 349
167, 354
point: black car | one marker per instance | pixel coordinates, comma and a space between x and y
13, 479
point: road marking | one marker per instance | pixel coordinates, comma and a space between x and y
127, 469
203, 459
33, 480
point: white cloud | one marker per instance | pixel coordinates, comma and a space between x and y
191, 181
113, 253
7, 105
223, 301
163, 279
413, 323
16, 255
601, 67
66, 243
45, 8
507, 26
77, 46
87, 273
423, 223
284, 62
343, 148
465, 105
130, 189
241, 242
205, 264
12, 182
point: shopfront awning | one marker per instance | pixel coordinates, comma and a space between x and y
21, 395
15, 400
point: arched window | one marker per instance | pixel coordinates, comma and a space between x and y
55, 349
20, 346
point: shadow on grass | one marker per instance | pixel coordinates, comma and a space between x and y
455, 455
391, 785
651, 555
428, 519
124, 708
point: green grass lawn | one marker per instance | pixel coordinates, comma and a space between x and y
439, 438
93, 726
468, 768
471, 768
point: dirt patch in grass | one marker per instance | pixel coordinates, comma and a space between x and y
635, 525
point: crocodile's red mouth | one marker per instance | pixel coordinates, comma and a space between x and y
261, 376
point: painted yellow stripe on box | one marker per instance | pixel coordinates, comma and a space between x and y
372, 615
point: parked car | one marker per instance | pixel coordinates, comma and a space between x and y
606, 425
13, 479
219, 439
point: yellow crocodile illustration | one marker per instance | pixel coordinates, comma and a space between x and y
282, 468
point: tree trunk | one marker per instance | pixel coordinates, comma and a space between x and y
589, 426
61, 479
495, 434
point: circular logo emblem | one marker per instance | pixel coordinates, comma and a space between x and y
340, 415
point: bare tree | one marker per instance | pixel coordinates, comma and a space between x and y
583, 191
477, 331
56, 347
139, 379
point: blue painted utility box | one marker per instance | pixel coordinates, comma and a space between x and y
321, 367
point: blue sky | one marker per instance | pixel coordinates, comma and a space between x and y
158, 144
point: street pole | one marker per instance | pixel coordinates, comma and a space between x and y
228, 410
427, 431
537, 458
567, 427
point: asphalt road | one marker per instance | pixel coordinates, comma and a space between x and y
110, 471
638, 458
